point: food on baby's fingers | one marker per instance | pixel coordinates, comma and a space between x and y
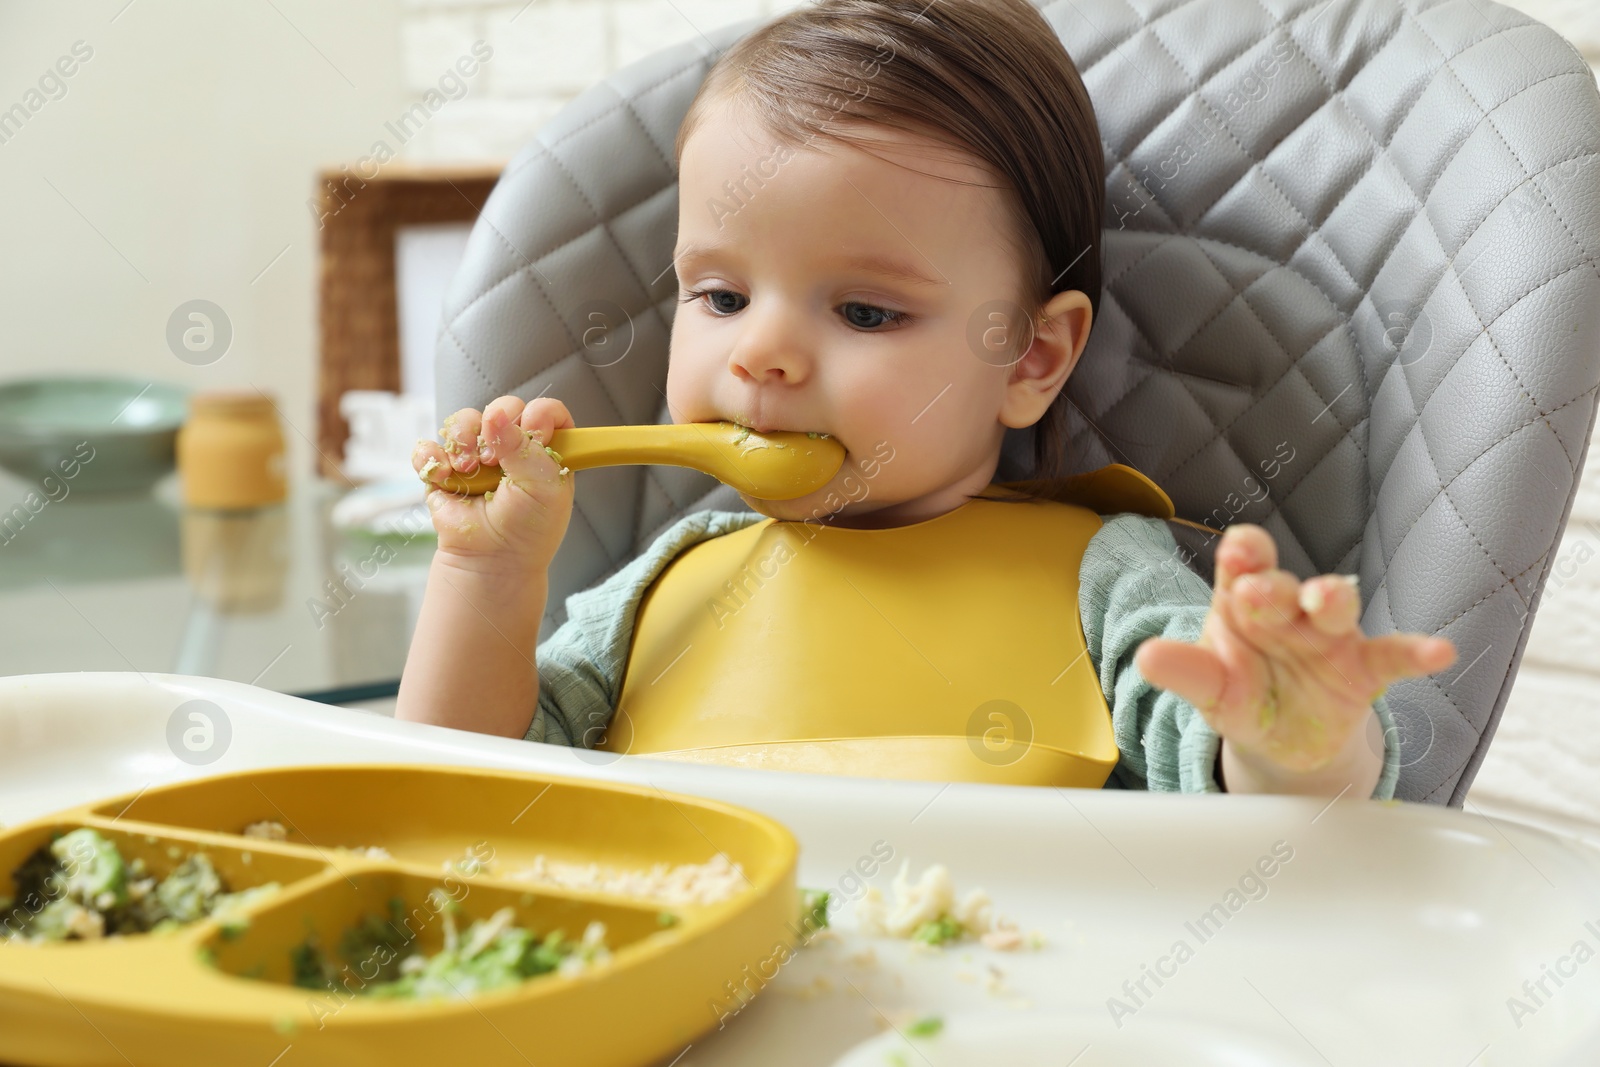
928, 913
79, 888
490, 954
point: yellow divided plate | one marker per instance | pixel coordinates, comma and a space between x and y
205, 995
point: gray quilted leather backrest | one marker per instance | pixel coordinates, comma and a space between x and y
1351, 294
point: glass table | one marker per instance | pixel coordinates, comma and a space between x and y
276, 597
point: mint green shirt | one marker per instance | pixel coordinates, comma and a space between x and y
1132, 585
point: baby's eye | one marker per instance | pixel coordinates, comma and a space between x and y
863, 316
725, 302
719, 309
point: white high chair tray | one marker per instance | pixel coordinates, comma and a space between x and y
1394, 934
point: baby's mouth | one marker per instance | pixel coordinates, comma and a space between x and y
765, 430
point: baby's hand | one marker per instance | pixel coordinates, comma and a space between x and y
1283, 672
521, 522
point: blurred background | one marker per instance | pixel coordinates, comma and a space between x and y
257, 204
245, 214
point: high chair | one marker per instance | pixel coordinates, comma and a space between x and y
1351, 295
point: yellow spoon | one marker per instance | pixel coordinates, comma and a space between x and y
768, 466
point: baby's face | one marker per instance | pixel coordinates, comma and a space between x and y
808, 316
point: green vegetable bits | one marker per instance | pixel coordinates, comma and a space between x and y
490, 954
79, 887
938, 931
814, 909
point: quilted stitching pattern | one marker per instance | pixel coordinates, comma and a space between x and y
1358, 233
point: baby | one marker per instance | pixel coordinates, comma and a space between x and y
889, 232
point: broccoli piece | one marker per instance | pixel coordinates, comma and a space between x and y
938, 931
227, 906
927, 1026
309, 966
491, 953
66, 920
190, 891
91, 870
32, 878
814, 905
80, 887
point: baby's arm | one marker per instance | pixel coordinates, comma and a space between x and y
471, 664
1132, 586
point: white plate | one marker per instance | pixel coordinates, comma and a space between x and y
1394, 934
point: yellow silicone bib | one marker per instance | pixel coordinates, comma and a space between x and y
946, 650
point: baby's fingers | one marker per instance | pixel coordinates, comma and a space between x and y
460, 433
1194, 672
1245, 548
524, 460
1264, 609
498, 412
428, 459
1395, 656
544, 416
1332, 603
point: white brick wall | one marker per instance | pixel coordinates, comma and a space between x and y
545, 53
1543, 762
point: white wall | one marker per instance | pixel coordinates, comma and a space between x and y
546, 53
177, 166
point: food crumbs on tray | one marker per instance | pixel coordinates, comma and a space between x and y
366, 852
267, 830
928, 913
814, 909
712, 882
1002, 940
818, 986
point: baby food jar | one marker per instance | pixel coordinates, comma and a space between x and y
230, 452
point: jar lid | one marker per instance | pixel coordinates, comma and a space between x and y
234, 403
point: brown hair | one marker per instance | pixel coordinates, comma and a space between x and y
988, 77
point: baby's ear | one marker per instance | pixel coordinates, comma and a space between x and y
1036, 379
1066, 320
